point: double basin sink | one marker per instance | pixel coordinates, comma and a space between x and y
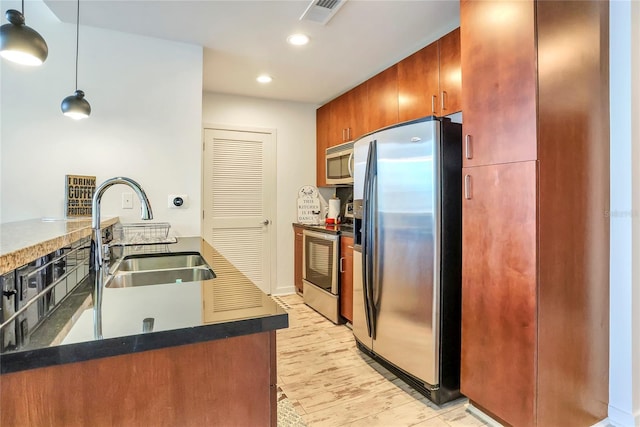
156, 269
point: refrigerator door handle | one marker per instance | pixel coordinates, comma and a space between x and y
365, 253
368, 237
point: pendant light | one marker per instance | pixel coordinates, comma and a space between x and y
19, 43
75, 106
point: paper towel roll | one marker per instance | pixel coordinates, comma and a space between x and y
334, 208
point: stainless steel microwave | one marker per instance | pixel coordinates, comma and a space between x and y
339, 164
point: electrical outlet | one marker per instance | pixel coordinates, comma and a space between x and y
127, 200
178, 201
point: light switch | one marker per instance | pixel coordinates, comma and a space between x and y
127, 200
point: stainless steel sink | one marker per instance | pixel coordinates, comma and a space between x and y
157, 269
158, 277
161, 262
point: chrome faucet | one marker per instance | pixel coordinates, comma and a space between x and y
96, 235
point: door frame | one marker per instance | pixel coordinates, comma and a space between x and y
273, 209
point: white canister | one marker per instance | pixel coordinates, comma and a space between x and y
334, 208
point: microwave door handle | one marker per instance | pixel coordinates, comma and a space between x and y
350, 164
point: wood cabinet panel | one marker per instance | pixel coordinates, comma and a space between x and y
297, 263
323, 118
499, 290
418, 86
224, 382
499, 93
574, 233
382, 92
450, 74
349, 116
346, 277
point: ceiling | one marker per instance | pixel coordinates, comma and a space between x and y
242, 39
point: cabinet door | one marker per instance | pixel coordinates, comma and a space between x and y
450, 73
498, 58
297, 263
323, 116
346, 278
358, 112
418, 84
339, 120
499, 290
382, 92
349, 116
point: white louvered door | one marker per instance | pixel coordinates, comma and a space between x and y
239, 200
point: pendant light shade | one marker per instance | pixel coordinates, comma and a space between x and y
75, 106
19, 43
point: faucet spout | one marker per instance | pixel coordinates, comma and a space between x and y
96, 239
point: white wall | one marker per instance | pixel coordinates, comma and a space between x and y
146, 99
295, 125
624, 348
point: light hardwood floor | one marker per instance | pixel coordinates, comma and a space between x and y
331, 383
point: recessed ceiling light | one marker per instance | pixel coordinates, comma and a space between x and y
298, 39
264, 78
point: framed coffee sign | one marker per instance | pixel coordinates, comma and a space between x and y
79, 191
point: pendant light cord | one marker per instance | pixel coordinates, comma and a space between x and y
22, 7
77, 39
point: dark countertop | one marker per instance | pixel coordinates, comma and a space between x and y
342, 229
229, 305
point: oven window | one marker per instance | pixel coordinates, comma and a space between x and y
319, 260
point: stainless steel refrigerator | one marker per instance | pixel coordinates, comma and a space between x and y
407, 257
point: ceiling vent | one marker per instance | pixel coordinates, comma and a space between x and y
321, 11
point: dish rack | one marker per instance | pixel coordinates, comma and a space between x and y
142, 234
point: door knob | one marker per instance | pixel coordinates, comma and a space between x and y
265, 222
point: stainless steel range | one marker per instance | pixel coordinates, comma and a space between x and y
320, 273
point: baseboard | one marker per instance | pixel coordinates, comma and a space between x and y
285, 290
620, 418
482, 416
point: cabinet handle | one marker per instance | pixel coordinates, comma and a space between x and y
348, 134
443, 100
433, 103
298, 234
341, 269
468, 149
343, 134
350, 246
467, 187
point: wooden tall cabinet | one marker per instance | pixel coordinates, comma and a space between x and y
535, 301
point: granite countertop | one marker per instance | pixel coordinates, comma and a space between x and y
342, 229
24, 241
184, 313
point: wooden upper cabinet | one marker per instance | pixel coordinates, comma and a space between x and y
450, 75
349, 113
382, 92
418, 78
323, 116
498, 59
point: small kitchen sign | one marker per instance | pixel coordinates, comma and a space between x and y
308, 205
79, 191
